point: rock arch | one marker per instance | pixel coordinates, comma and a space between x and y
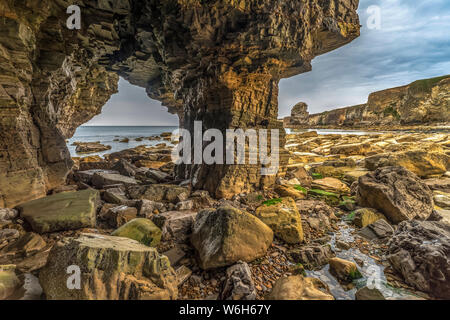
218, 61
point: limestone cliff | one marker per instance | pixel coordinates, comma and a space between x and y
216, 61
421, 102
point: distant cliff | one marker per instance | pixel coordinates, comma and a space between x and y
421, 102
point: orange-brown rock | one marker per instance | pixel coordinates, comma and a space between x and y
421, 102
216, 61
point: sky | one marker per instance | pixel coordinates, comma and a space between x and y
410, 42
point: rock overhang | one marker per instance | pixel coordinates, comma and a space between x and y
201, 59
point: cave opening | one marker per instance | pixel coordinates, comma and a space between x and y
128, 119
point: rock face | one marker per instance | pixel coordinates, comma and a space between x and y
420, 251
299, 115
112, 268
218, 62
397, 193
421, 102
62, 211
227, 235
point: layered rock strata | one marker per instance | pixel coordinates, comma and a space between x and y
421, 102
218, 62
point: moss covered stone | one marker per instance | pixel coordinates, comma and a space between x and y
142, 230
112, 268
284, 219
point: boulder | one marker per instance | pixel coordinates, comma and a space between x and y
9, 282
344, 270
8, 235
164, 192
331, 185
142, 230
148, 208
365, 216
102, 179
442, 199
86, 176
289, 191
183, 273
115, 195
299, 288
239, 284
397, 193
125, 168
302, 175
313, 257
380, 230
423, 163
442, 184
112, 268
157, 175
317, 214
420, 252
176, 225
227, 235
284, 219
118, 216
93, 162
354, 175
62, 211
90, 147
7, 215
368, 294
27, 245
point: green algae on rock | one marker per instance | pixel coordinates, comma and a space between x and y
112, 268
284, 219
142, 230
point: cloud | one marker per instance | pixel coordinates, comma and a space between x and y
413, 43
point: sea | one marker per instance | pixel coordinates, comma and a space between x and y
107, 134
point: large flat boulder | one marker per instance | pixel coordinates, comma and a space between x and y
284, 219
62, 211
420, 252
397, 193
227, 235
331, 185
111, 268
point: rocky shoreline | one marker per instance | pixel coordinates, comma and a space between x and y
348, 206
423, 102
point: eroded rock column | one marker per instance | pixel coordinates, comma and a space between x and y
231, 102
